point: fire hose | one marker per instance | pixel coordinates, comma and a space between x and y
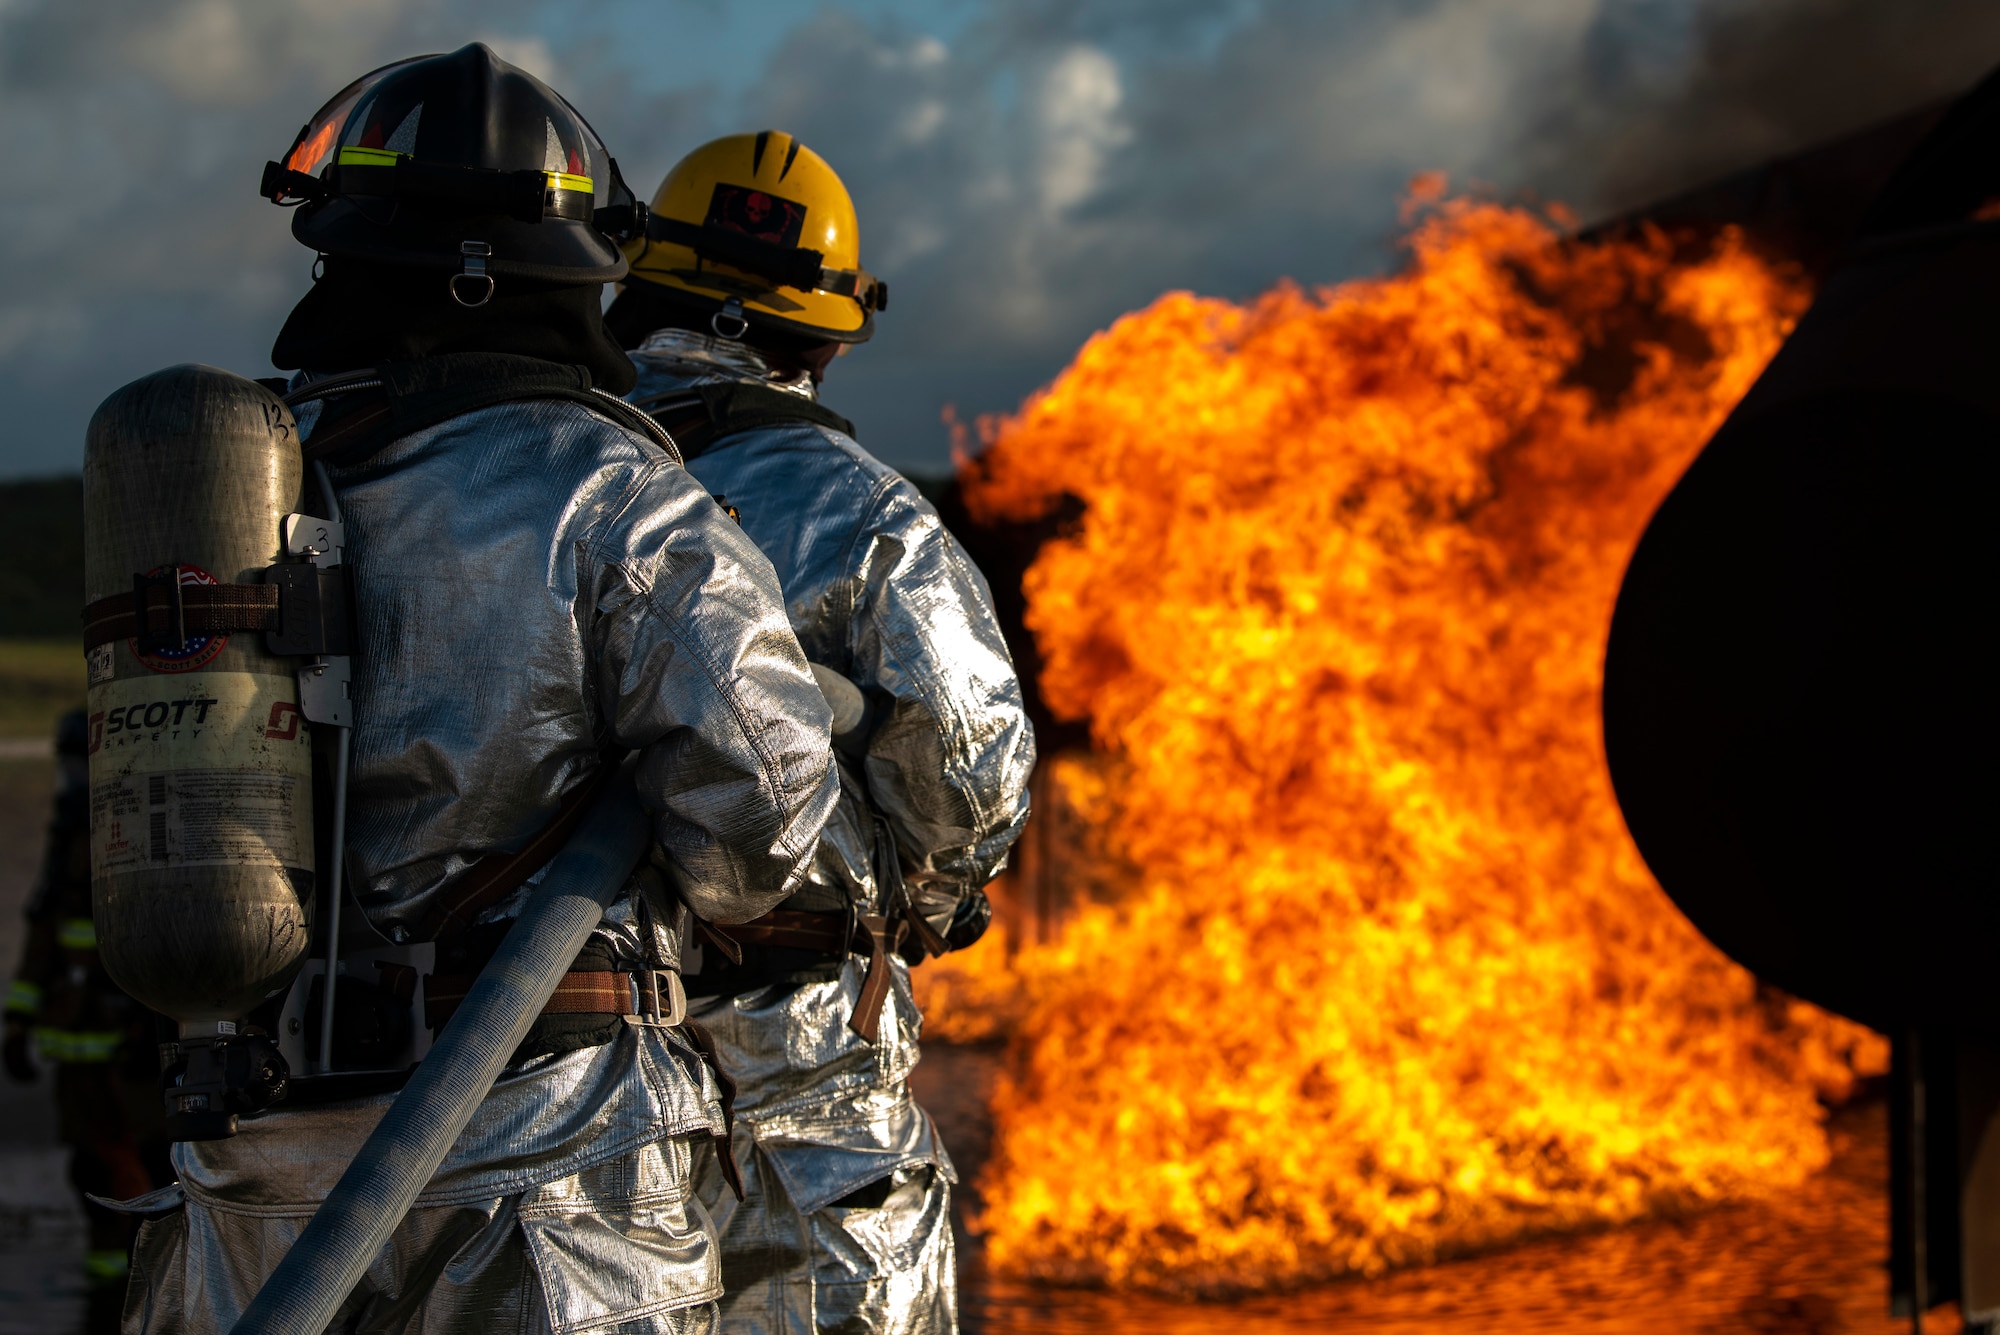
403, 1152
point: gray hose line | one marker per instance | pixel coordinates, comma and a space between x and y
336, 878
336, 886
407, 1145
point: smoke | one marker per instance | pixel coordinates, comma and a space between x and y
1025, 172
1759, 80
1076, 160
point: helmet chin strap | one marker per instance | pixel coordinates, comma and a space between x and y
730, 323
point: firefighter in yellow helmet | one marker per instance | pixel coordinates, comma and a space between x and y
754, 232
746, 285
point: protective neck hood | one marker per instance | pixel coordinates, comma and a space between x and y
647, 310
733, 358
362, 314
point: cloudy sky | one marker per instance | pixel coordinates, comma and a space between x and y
1025, 171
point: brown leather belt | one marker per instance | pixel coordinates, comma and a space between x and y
869, 934
792, 929
649, 995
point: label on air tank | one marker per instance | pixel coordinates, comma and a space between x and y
201, 770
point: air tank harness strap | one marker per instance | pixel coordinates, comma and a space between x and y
199, 609
494, 877
367, 410
870, 934
701, 418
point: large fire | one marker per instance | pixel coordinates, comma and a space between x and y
1390, 981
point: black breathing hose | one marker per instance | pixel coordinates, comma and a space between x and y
404, 1151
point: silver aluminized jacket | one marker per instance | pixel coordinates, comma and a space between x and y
533, 579
847, 1221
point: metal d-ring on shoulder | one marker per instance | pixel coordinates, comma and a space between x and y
475, 254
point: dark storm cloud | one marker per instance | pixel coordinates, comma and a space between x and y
1062, 163
1024, 175
132, 237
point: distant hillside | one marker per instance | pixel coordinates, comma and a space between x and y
41, 556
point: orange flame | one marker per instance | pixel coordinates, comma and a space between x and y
1391, 982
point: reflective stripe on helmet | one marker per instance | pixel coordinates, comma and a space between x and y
78, 1045
385, 157
23, 998
77, 934
370, 157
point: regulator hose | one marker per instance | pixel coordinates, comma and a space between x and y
399, 1158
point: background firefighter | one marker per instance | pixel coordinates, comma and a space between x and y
538, 586
746, 287
99, 1042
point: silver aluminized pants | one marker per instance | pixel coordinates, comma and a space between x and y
567, 1206
846, 1219
618, 1246
887, 1266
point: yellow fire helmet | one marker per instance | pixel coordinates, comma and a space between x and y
757, 229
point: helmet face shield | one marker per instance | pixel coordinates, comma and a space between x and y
615, 209
314, 148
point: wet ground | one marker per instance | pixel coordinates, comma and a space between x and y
41, 1228
1807, 1264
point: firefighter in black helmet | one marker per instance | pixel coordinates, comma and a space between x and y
458, 205
539, 589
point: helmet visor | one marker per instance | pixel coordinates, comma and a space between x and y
320, 138
616, 210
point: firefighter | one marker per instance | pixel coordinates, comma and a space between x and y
99, 1040
539, 586
744, 289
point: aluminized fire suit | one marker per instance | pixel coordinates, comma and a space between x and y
529, 577
846, 1225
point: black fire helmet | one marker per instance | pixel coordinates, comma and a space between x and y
463, 163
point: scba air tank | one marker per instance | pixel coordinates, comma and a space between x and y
201, 809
